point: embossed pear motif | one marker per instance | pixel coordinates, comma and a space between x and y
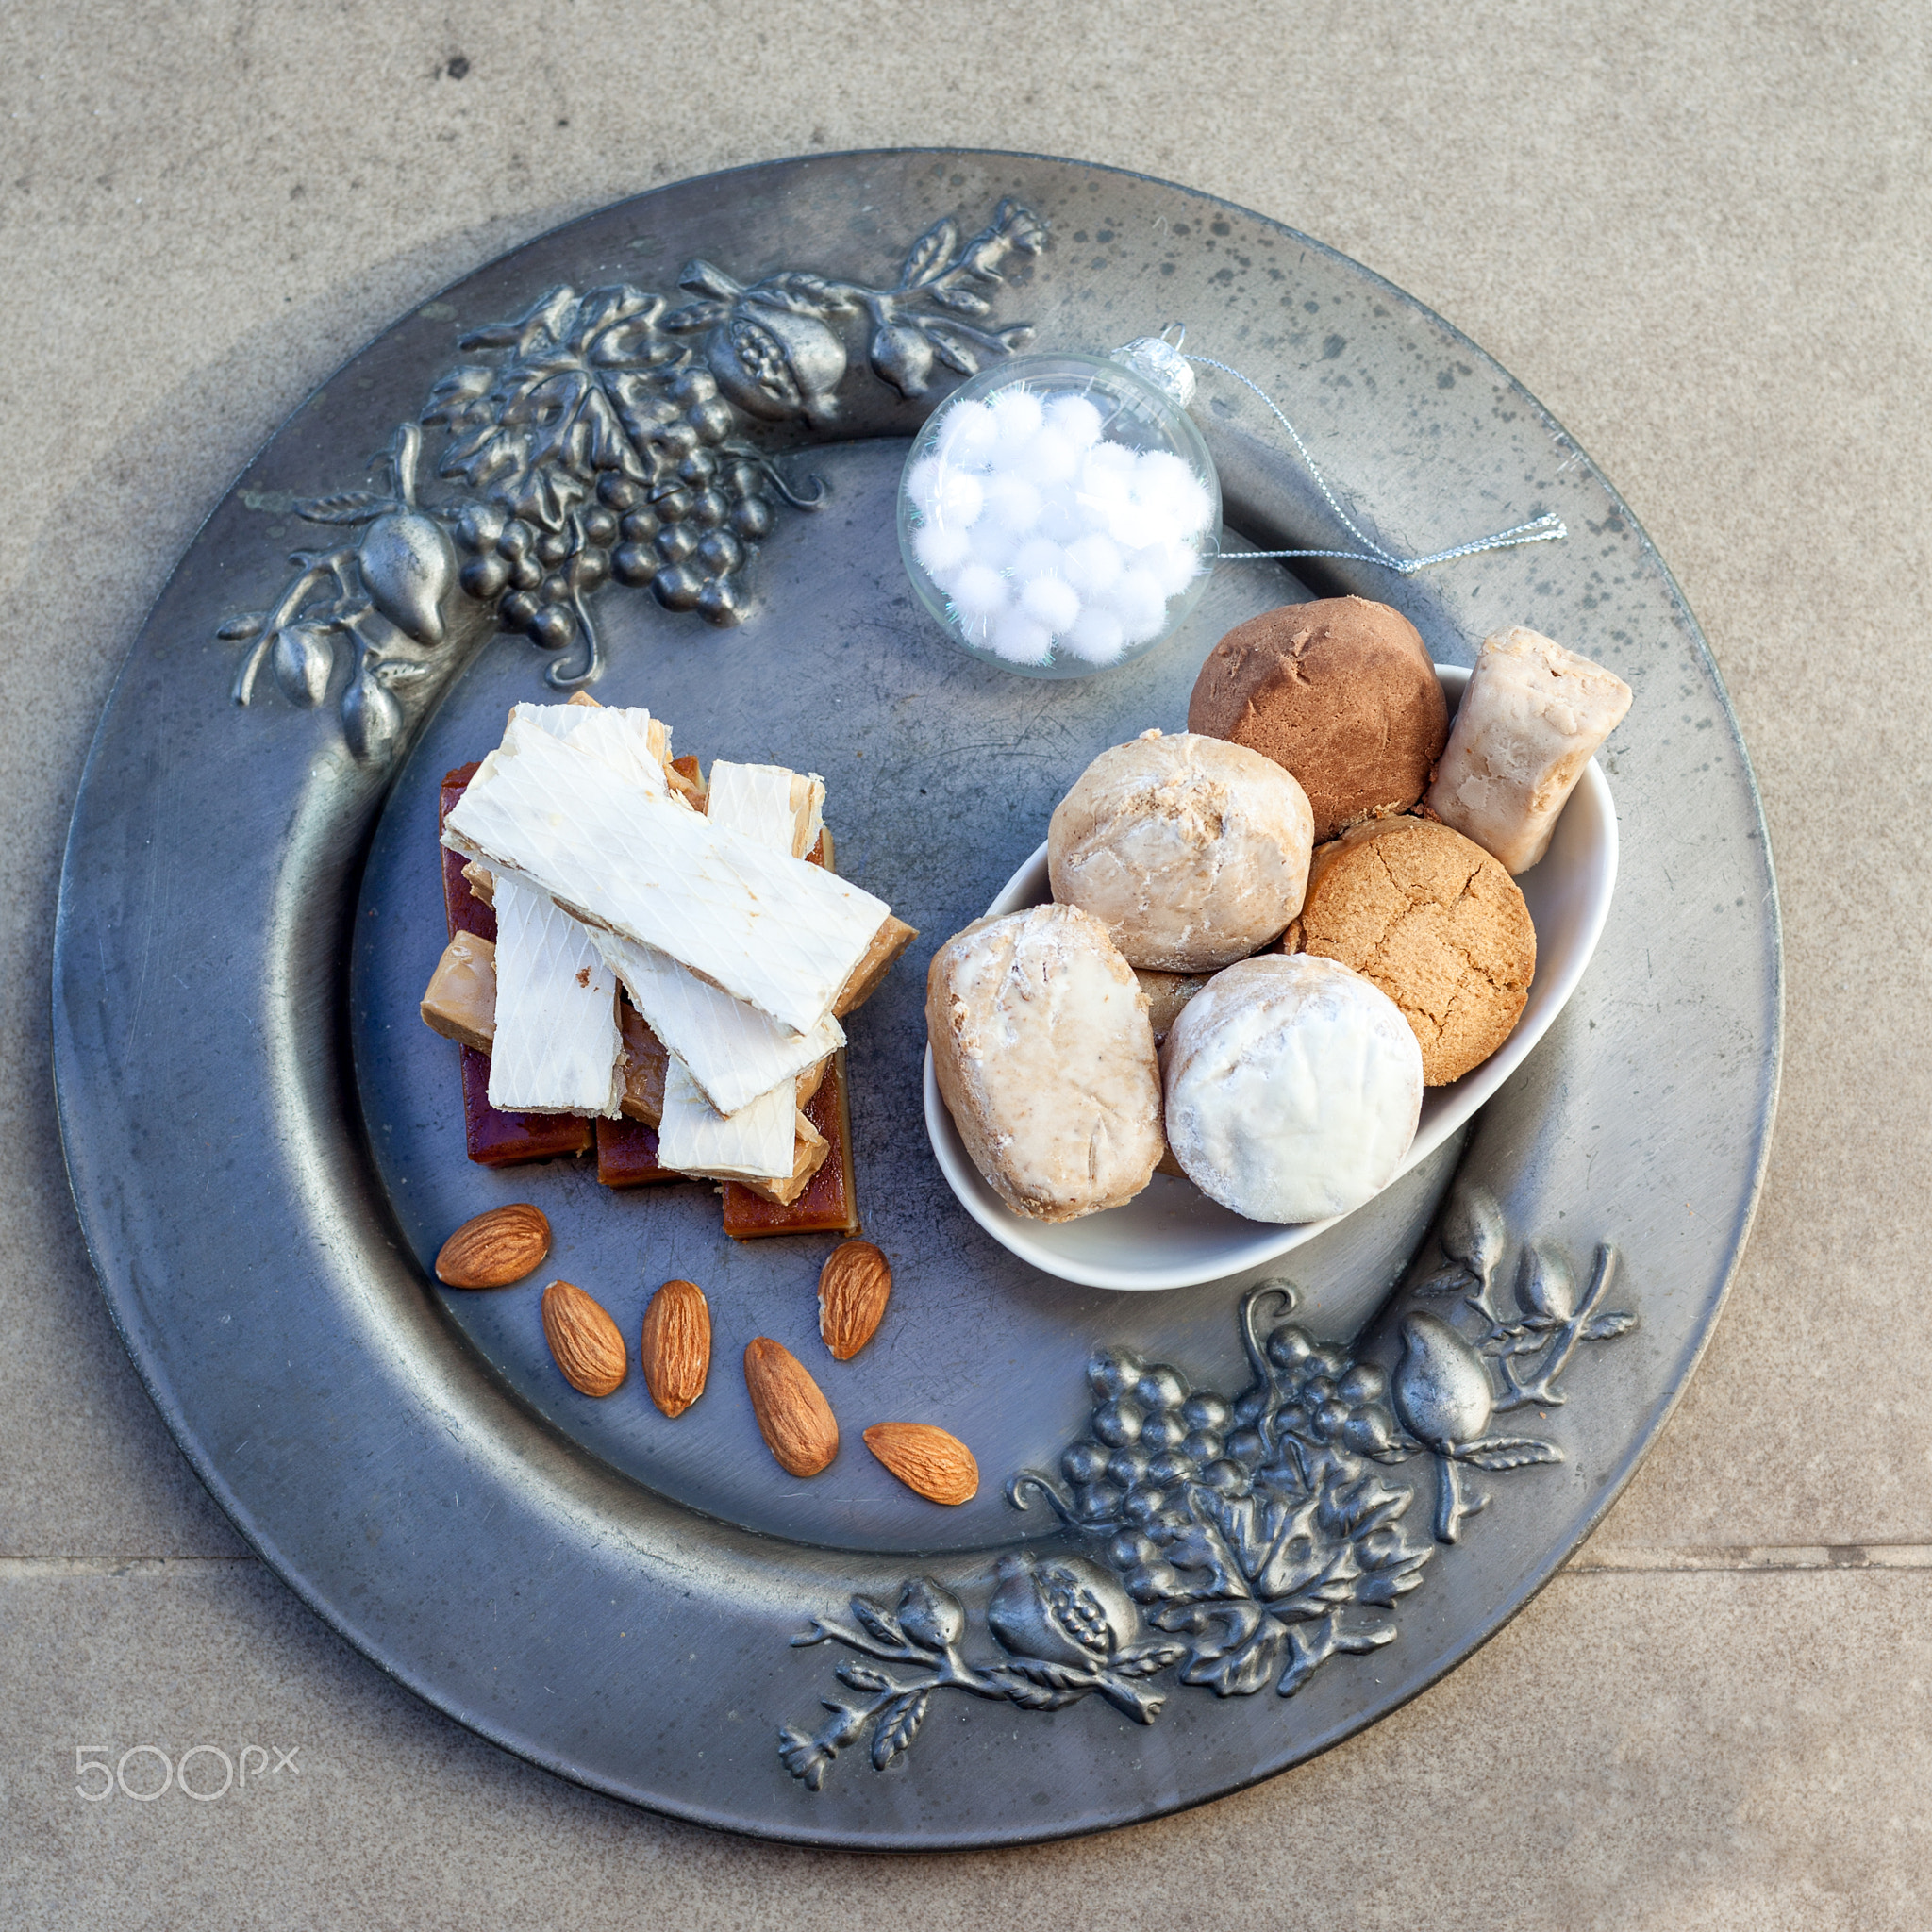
602, 437
1246, 1541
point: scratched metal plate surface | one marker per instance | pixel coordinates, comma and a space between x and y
612, 1595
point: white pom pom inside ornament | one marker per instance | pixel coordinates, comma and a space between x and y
1051, 601
1059, 514
941, 548
1075, 418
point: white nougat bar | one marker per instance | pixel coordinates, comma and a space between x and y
557, 1047
766, 928
757, 1140
753, 1144
732, 1051
755, 799
626, 737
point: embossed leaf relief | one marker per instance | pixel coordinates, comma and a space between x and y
602, 437
1244, 1540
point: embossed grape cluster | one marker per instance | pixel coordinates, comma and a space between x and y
687, 535
1153, 1439
1322, 1398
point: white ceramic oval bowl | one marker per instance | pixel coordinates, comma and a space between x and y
1171, 1235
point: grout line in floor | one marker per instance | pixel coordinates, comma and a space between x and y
41, 1568
1638, 1559
1614, 1560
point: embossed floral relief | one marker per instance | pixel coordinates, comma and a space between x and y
602, 437
1246, 1541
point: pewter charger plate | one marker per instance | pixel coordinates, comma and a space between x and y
1163, 1592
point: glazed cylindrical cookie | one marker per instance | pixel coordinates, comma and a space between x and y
1436, 923
1045, 1057
1293, 1088
1341, 692
1193, 851
1529, 722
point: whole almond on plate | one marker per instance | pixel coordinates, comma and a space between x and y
928, 1460
794, 1418
584, 1340
495, 1249
853, 1287
676, 1352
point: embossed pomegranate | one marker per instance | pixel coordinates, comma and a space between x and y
903, 358
1473, 1230
1545, 1286
372, 719
1061, 1612
303, 657
775, 364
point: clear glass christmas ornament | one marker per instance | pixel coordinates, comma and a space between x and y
1059, 515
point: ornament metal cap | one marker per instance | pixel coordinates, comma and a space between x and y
1158, 361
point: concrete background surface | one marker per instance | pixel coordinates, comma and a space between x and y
1698, 233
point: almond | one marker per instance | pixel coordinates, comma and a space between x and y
853, 1287
676, 1351
584, 1340
928, 1460
495, 1248
794, 1418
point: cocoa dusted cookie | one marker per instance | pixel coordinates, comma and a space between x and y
1342, 694
1434, 921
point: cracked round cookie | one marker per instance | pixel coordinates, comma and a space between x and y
1293, 1087
1045, 1057
1191, 852
1341, 692
1434, 921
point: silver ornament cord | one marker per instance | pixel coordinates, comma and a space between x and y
1546, 529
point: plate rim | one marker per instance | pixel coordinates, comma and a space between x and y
68, 1077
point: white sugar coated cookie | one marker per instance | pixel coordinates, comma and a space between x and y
1192, 851
1293, 1087
1045, 1055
